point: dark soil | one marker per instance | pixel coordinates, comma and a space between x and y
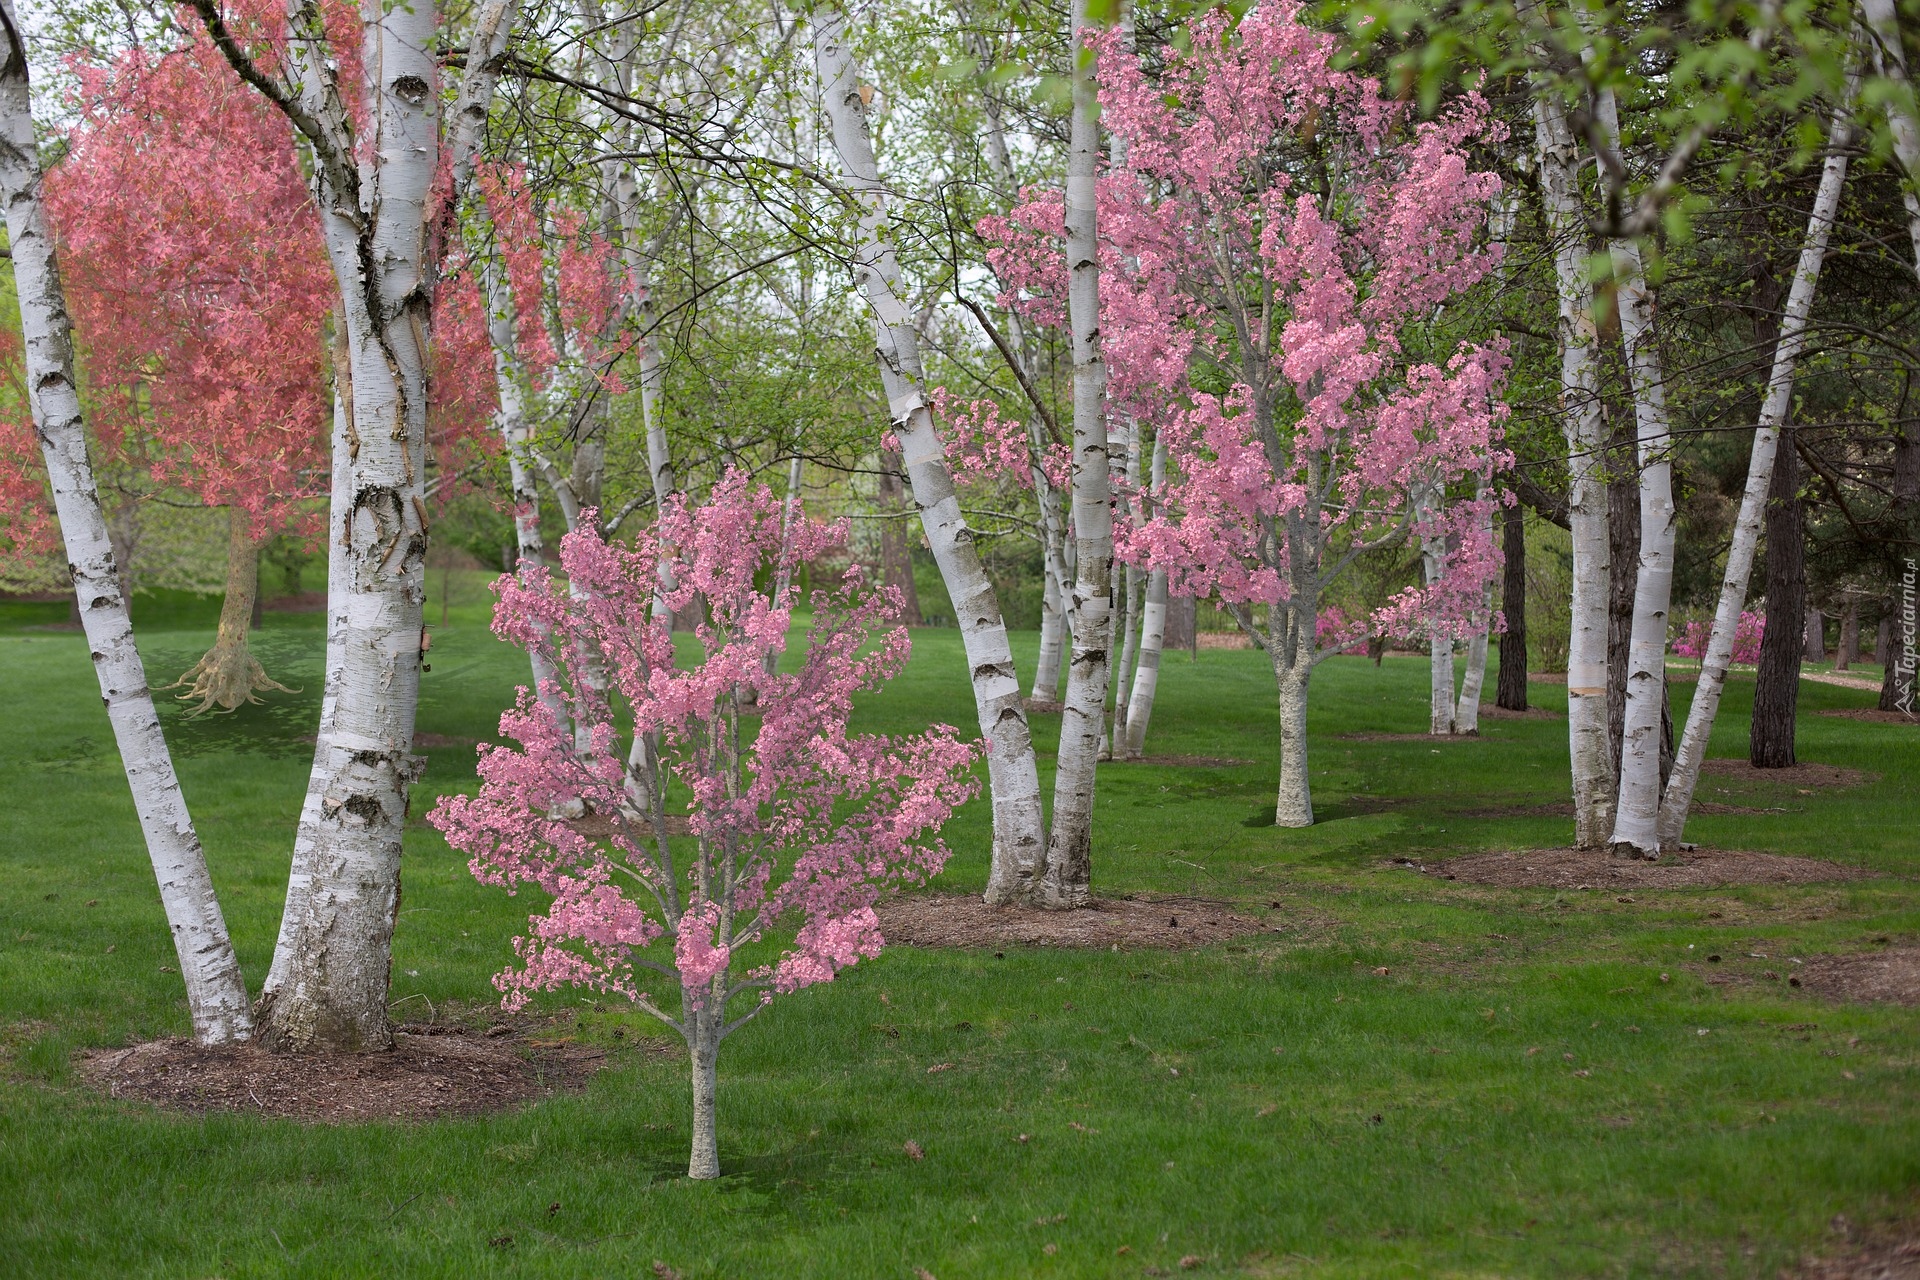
1578, 869
434, 1070
1889, 975
953, 920
1494, 711
1803, 774
1873, 715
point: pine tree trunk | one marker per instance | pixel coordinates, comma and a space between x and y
1776, 694
216, 992
1816, 635
1678, 798
1637, 813
1013, 773
1849, 651
1890, 59
1511, 692
1592, 764
1068, 876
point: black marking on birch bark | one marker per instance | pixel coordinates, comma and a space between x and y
990, 668
410, 89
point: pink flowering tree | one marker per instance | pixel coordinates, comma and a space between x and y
692, 876
1274, 249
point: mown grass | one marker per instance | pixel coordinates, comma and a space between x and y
1268, 1107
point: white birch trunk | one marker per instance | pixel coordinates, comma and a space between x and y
216, 992
1053, 619
1013, 773
334, 979
1587, 735
1439, 646
1127, 581
1153, 630
1067, 882
1891, 61
1678, 798
1636, 815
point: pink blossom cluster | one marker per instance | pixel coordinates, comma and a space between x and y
1692, 642
1259, 324
1335, 632
718, 833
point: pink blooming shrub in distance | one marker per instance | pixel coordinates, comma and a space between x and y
1275, 329
701, 847
1746, 638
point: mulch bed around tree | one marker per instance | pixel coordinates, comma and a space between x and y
1183, 762
434, 1070
1803, 774
1581, 869
1888, 975
1405, 737
955, 920
1873, 715
1494, 711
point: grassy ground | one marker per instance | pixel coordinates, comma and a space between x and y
1266, 1108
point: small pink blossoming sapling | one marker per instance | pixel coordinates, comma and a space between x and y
798, 823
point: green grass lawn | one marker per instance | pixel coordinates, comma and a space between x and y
1265, 1108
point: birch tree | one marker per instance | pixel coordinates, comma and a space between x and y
1678, 796
216, 992
1890, 59
1019, 842
384, 223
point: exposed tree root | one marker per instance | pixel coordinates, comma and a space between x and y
229, 676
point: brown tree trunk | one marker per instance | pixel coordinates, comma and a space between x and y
1776, 696
1511, 693
1849, 652
1816, 628
896, 553
1180, 624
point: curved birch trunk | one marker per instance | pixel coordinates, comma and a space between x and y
1890, 59
334, 978
216, 992
1067, 882
1013, 773
1587, 735
1153, 629
1678, 797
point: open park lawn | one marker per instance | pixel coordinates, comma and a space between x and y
1392, 1073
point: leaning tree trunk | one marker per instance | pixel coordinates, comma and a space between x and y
375, 212
1678, 797
1068, 877
1153, 628
1776, 691
216, 993
1511, 692
228, 676
1012, 771
1637, 813
1566, 223
1891, 60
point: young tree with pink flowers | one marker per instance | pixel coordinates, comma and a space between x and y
1273, 251
683, 873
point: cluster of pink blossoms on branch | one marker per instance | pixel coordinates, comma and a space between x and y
1262, 320
713, 832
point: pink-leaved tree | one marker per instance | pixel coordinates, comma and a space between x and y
1273, 249
692, 874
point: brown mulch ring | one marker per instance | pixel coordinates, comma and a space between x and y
1183, 762
1873, 715
1803, 774
1581, 869
1406, 737
956, 920
434, 1070
1888, 974
1494, 711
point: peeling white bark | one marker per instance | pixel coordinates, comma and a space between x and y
1012, 771
1678, 798
216, 992
1067, 882
1153, 629
1890, 60
1588, 746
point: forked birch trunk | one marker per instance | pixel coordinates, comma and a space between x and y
1587, 737
1153, 629
216, 992
1891, 61
1678, 798
1069, 870
1013, 773
375, 206
1637, 812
